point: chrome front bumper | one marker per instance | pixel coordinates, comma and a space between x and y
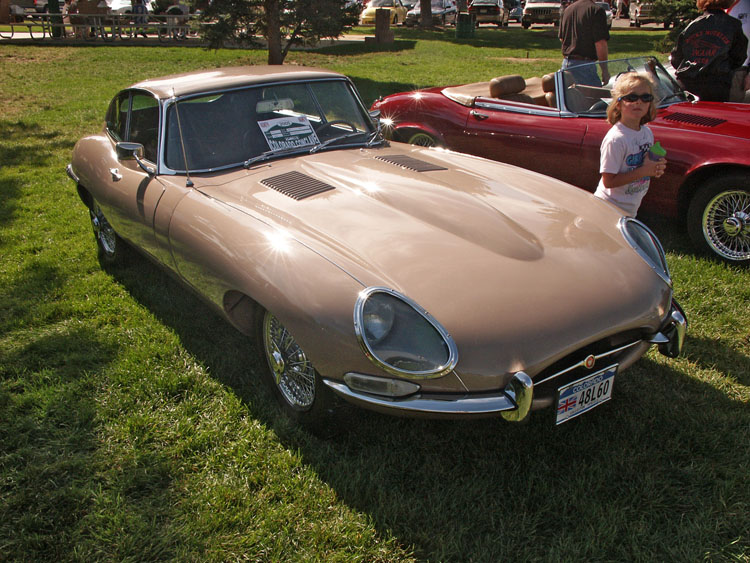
671, 337
514, 402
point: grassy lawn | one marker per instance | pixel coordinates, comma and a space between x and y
134, 425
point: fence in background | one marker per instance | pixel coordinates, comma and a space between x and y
98, 27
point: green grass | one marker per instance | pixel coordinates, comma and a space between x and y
134, 425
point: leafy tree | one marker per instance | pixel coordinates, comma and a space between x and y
282, 23
677, 13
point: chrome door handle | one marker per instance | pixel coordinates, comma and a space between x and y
479, 116
116, 176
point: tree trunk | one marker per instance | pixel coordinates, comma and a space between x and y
425, 11
273, 32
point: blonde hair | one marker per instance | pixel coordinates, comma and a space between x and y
624, 85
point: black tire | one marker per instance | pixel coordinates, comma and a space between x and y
295, 382
718, 218
526, 25
112, 250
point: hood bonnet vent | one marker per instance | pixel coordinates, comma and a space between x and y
296, 185
409, 162
695, 119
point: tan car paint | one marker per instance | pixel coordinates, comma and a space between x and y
502, 257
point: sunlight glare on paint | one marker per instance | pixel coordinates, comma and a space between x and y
280, 241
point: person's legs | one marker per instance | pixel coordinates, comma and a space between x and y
583, 72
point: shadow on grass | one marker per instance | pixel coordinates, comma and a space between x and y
25, 144
370, 90
48, 429
614, 484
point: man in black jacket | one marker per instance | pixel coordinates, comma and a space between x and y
709, 51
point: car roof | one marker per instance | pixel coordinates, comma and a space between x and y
214, 79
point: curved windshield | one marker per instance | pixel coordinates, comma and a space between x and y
586, 93
226, 129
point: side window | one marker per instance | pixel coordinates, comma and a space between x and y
117, 116
144, 124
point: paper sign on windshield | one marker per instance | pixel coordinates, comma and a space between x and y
288, 132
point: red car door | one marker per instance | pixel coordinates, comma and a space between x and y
537, 139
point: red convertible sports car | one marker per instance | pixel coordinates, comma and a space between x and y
555, 125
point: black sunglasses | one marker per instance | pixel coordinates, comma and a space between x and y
648, 98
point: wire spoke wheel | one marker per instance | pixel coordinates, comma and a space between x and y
105, 235
292, 371
422, 139
726, 224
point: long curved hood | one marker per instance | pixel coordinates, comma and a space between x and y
497, 254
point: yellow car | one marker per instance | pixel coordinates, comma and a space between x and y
397, 9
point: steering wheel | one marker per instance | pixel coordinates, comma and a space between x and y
328, 124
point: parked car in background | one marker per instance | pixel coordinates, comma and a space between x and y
640, 13
443, 13
541, 12
396, 8
608, 11
489, 11
126, 6
19, 7
515, 12
555, 126
269, 191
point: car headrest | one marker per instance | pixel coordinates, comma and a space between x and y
504, 85
548, 83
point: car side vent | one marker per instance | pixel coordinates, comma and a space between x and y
296, 185
695, 119
409, 162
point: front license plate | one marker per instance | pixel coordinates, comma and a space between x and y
583, 395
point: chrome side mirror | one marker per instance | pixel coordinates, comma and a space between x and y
127, 150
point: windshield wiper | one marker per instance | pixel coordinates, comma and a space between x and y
324, 144
272, 154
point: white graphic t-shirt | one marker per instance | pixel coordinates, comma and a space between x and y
623, 150
741, 10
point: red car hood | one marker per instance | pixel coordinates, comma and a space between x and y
711, 117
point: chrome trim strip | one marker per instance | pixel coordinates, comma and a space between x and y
528, 110
623, 226
582, 363
445, 369
467, 405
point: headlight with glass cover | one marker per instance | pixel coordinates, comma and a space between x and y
400, 337
645, 243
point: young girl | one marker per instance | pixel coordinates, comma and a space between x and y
625, 166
